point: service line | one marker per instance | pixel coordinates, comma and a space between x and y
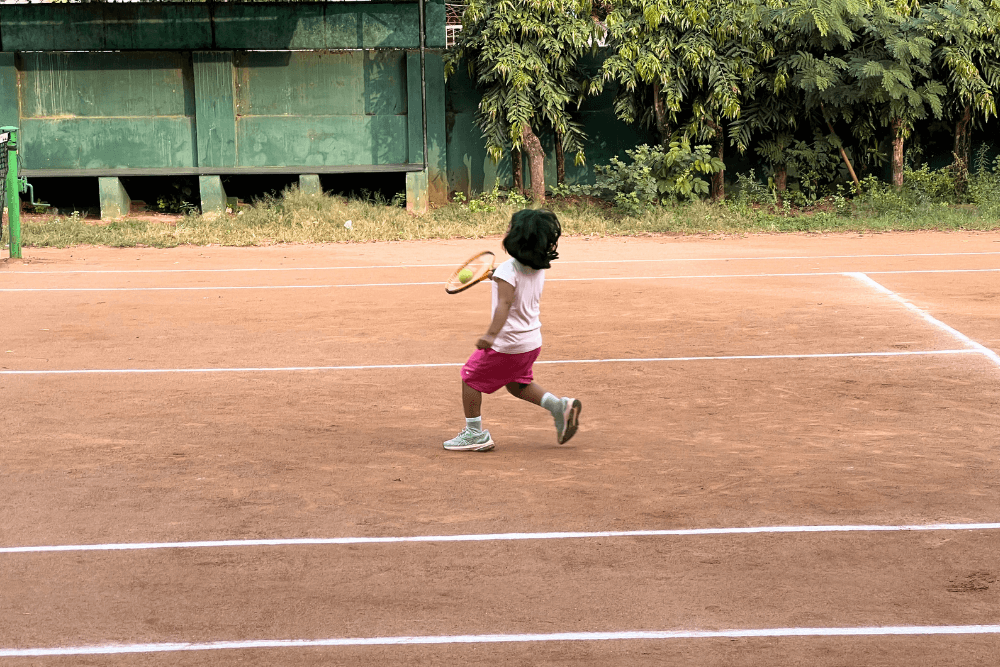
627, 360
437, 283
647, 635
561, 261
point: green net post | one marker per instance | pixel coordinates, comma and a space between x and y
8, 146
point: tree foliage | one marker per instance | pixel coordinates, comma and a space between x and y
694, 56
803, 84
690, 59
525, 55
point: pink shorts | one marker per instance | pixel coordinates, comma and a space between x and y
489, 370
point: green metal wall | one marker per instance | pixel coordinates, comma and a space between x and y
92, 110
219, 26
309, 108
212, 109
223, 88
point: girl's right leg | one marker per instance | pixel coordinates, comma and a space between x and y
528, 392
565, 411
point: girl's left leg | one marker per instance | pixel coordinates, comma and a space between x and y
472, 438
472, 402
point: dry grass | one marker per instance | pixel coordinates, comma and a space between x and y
296, 217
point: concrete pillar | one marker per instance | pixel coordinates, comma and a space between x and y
309, 184
115, 202
416, 192
213, 196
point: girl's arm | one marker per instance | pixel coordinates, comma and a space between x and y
505, 297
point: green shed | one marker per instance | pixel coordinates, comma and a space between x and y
214, 89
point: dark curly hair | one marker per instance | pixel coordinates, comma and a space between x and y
533, 237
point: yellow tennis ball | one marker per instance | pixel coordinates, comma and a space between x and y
464, 276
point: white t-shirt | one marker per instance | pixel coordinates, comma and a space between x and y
522, 332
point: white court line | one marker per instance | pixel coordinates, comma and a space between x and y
648, 635
210, 288
215, 288
499, 537
982, 349
562, 261
293, 369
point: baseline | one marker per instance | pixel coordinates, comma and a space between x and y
871, 631
502, 537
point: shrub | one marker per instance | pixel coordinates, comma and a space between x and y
811, 169
750, 192
488, 202
925, 185
984, 182
921, 187
655, 176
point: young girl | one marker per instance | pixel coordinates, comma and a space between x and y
508, 349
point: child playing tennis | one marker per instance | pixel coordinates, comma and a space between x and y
508, 349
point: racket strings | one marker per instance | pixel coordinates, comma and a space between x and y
479, 266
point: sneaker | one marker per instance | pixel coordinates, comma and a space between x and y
567, 419
470, 441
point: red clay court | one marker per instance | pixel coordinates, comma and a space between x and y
788, 454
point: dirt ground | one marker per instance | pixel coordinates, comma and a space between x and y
224, 409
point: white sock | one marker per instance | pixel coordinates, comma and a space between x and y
474, 424
551, 403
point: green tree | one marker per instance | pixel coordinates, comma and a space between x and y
967, 59
776, 119
878, 74
682, 66
524, 55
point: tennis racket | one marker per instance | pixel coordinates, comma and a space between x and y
481, 268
